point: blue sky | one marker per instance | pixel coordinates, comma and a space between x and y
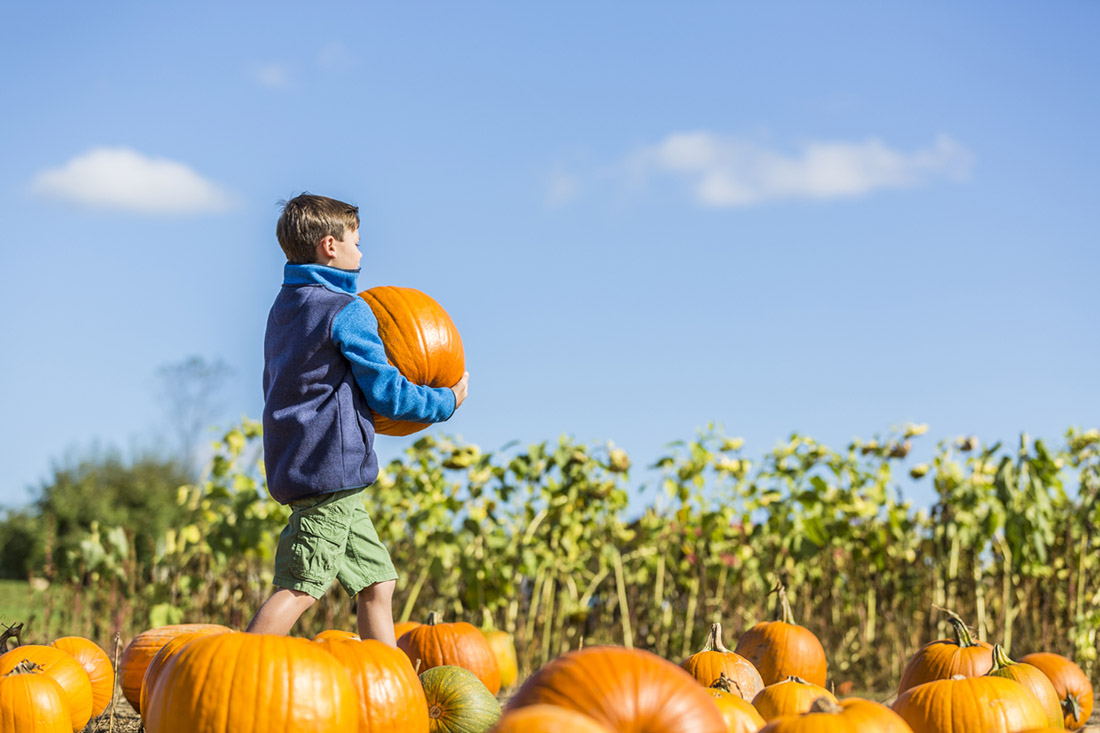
643, 217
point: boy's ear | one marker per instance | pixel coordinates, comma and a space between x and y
326, 247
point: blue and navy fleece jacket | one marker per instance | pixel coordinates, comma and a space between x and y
325, 370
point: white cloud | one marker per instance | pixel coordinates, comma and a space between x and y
561, 188
728, 172
274, 76
125, 180
335, 56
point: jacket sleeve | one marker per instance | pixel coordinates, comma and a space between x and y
388, 392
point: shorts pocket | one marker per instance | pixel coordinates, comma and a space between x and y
316, 550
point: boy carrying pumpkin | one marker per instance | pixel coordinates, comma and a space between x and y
325, 371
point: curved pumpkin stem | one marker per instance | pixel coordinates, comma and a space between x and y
783, 607
1070, 706
796, 678
25, 667
825, 705
726, 684
962, 633
714, 640
1000, 659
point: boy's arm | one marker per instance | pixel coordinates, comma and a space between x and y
388, 392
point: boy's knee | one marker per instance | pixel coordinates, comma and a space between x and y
382, 590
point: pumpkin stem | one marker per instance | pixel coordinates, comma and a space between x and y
796, 678
783, 606
434, 617
25, 667
714, 639
962, 633
14, 631
726, 684
825, 705
1070, 706
1000, 659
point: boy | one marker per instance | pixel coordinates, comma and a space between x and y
325, 370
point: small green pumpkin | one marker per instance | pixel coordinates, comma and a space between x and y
458, 702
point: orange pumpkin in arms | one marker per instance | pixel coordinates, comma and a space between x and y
945, 658
421, 341
1073, 687
780, 649
101, 673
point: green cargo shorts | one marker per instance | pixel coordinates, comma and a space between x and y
331, 537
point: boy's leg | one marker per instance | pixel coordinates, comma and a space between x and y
374, 612
279, 612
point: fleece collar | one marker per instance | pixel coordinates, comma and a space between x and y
332, 278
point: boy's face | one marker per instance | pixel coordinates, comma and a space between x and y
347, 255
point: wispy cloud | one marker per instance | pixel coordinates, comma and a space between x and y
335, 56
731, 172
561, 188
273, 76
125, 180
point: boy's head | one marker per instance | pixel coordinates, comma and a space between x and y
306, 223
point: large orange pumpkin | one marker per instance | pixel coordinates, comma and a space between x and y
391, 699
403, 627
792, 696
421, 341
251, 683
547, 719
436, 644
332, 634
715, 660
969, 705
740, 715
32, 702
853, 715
780, 649
945, 658
143, 647
1073, 687
504, 649
160, 659
624, 690
65, 670
1033, 679
96, 663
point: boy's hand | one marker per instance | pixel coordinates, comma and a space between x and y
460, 390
